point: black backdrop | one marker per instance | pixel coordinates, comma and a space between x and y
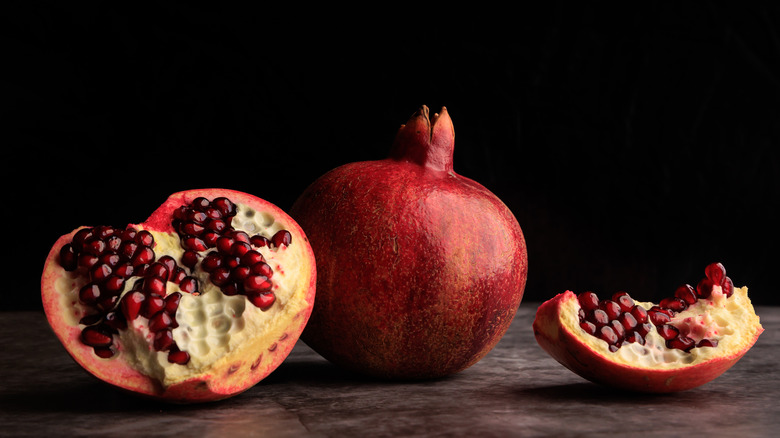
634, 145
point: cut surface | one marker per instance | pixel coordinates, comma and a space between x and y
649, 347
165, 323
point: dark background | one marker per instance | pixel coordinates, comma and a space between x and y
634, 145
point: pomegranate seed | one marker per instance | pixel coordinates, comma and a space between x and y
686, 293
100, 271
674, 303
113, 243
589, 327
644, 328
624, 300
599, 317
91, 319
189, 285
240, 248
89, 293
169, 262
240, 236
704, 288
628, 321
257, 283
251, 257
124, 270
224, 244
87, 260
611, 308
154, 285
178, 357
209, 238
716, 272
259, 241
163, 340
588, 301
158, 270
152, 306
635, 337
110, 259
220, 276
144, 238
262, 301
68, 258
282, 237
191, 228
618, 328
189, 259
96, 337
103, 352
194, 243
658, 316
668, 331
160, 321
232, 288
172, 303
681, 343
607, 334
113, 284
240, 273
142, 256
263, 268
225, 206
200, 203
178, 275
94, 246
728, 287
80, 237
211, 262
639, 313
128, 249
216, 224
131, 304
707, 343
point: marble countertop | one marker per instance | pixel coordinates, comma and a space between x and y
517, 390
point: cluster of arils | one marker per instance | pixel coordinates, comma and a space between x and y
233, 261
619, 320
110, 256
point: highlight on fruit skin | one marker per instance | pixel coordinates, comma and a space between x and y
682, 342
198, 303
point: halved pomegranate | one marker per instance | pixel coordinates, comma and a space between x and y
682, 342
198, 303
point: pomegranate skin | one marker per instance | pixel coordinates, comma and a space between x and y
236, 371
420, 270
566, 345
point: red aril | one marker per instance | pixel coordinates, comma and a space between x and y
136, 306
420, 270
683, 342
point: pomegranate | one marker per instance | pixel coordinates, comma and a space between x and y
198, 303
684, 341
420, 270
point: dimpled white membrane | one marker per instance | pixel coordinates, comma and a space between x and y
720, 318
212, 324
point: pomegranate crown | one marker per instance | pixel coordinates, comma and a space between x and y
426, 141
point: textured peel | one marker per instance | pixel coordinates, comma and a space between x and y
652, 367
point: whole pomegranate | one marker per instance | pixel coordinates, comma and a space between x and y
420, 270
198, 303
684, 341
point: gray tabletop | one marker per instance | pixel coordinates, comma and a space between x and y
517, 390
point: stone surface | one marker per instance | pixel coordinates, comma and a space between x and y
517, 390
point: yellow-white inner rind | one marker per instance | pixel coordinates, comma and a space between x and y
211, 324
731, 321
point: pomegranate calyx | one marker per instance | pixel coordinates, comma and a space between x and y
426, 141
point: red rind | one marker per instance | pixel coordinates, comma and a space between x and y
569, 349
227, 378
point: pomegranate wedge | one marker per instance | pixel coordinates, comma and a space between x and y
683, 342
